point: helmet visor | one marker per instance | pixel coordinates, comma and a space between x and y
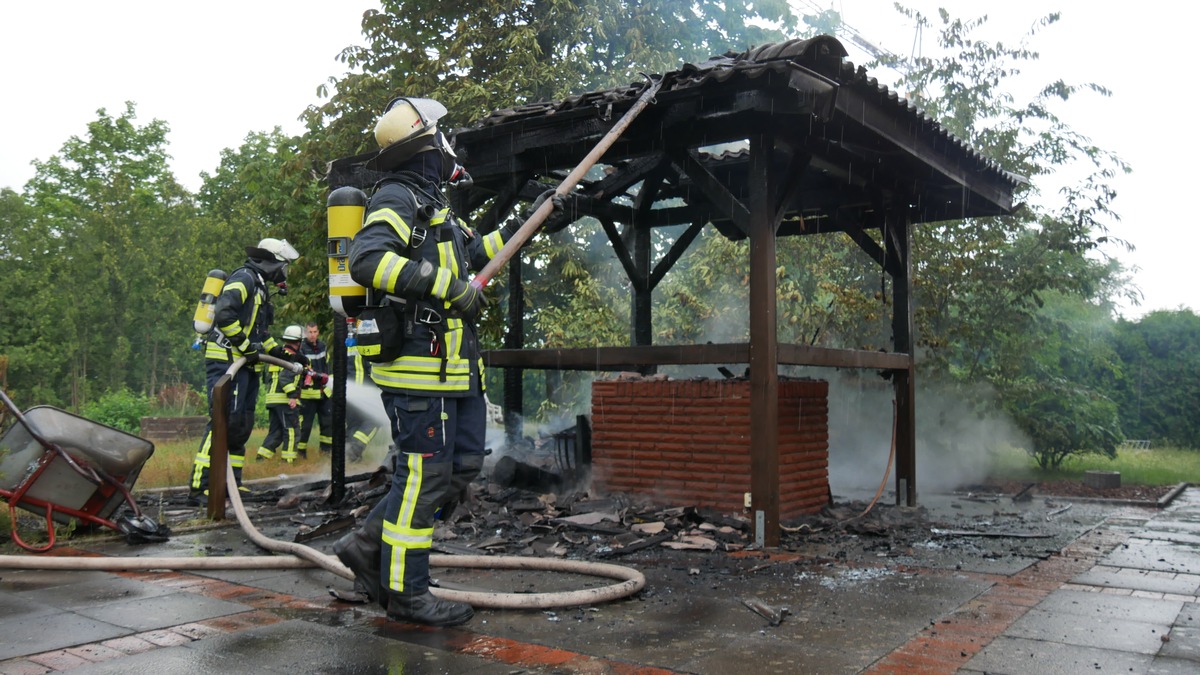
428, 110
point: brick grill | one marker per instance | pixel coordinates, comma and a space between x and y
685, 442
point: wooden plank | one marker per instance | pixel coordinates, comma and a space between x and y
630, 358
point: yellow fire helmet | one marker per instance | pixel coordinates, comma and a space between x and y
406, 127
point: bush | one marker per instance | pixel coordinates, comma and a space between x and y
120, 409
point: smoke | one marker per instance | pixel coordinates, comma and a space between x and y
363, 403
958, 431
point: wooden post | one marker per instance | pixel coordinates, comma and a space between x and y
337, 458
898, 240
764, 345
218, 454
514, 378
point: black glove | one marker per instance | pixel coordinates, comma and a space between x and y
251, 353
464, 297
555, 199
280, 353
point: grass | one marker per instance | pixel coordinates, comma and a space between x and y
171, 464
1159, 466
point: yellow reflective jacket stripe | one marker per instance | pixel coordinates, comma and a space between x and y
492, 243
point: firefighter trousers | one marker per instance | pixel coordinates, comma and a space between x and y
321, 410
441, 450
243, 397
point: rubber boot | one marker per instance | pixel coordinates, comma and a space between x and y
428, 609
360, 551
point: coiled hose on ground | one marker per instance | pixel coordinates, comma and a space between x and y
300, 556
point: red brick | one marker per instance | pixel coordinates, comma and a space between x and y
95, 652
59, 660
22, 667
690, 441
130, 644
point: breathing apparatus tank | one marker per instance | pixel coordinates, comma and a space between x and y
206, 309
345, 208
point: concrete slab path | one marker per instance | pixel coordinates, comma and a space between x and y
1122, 597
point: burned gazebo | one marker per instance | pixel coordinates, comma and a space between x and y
824, 149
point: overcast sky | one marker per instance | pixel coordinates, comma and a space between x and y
218, 70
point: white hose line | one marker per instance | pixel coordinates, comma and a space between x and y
301, 556
242, 562
632, 580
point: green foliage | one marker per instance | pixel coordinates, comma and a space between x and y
1159, 466
1160, 383
100, 272
119, 409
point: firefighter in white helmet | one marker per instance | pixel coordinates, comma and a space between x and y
283, 401
243, 315
423, 344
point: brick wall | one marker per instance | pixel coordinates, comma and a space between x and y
160, 429
685, 442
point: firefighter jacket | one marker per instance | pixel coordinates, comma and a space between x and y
243, 316
281, 385
318, 361
440, 350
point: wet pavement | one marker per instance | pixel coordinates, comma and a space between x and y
1112, 588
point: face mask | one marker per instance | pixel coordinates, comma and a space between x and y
452, 172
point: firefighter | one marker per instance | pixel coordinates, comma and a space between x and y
242, 319
415, 254
314, 401
283, 399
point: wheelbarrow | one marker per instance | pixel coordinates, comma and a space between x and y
73, 470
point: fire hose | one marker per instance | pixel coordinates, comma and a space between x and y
300, 556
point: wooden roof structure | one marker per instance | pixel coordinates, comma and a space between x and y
782, 140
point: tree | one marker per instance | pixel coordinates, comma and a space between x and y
1158, 393
262, 189
484, 56
106, 264
1058, 379
981, 284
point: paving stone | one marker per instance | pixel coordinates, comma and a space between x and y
16, 581
1147, 554
22, 667
95, 652
1189, 615
1118, 607
1164, 665
16, 607
1020, 656
43, 632
93, 591
1139, 579
311, 584
1184, 644
162, 611
59, 660
1103, 632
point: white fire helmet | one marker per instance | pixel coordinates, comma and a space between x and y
273, 249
